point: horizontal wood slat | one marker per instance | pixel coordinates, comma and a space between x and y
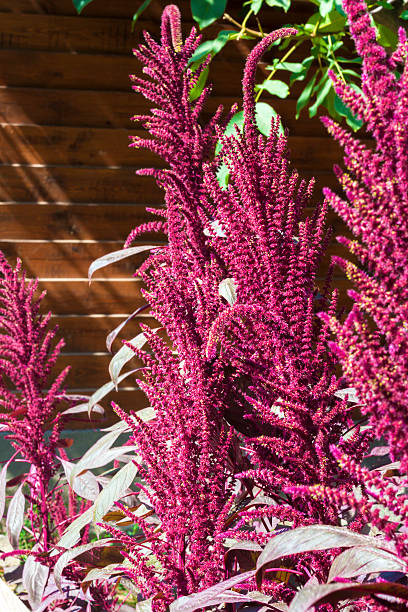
90, 71
89, 108
70, 221
29, 144
114, 185
49, 259
78, 297
83, 333
73, 184
61, 33
89, 371
105, 296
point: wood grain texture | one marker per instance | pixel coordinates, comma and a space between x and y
84, 333
73, 184
111, 222
72, 146
31, 144
48, 259
74, 296
90, 108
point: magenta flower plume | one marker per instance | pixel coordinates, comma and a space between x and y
245, 359
28, 353
270, 335
375, 183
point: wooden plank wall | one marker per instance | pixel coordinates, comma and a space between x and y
68, 189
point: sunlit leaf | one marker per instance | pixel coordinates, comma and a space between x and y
15, 517
116, 488
314, 537
73, 532
115, 256
228, 290
34, 580
80, 4
93, 455
283, 4
125, 354
274, 87
3, 480
213, 46
9, 600
69, 555
364, 560
332, 593
85, 485
211, 596
106, 389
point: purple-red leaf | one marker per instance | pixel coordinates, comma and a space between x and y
332, 593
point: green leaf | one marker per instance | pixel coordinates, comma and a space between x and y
275, 88
325, 7
404, 15
283, 4
322, 89
211, 46
139, 11
293, 67
386, 37
197, 90
205, 12
264, 113
256, 6
332, 23
80, 4
354, 122
305, 96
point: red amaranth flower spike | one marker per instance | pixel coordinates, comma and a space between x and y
372, 343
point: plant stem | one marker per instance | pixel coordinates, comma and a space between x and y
242, 30
273, 71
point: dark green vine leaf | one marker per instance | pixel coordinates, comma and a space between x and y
305, 96
345, 112
386, 37
199, 86
80, 4
322, 90
205, 12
